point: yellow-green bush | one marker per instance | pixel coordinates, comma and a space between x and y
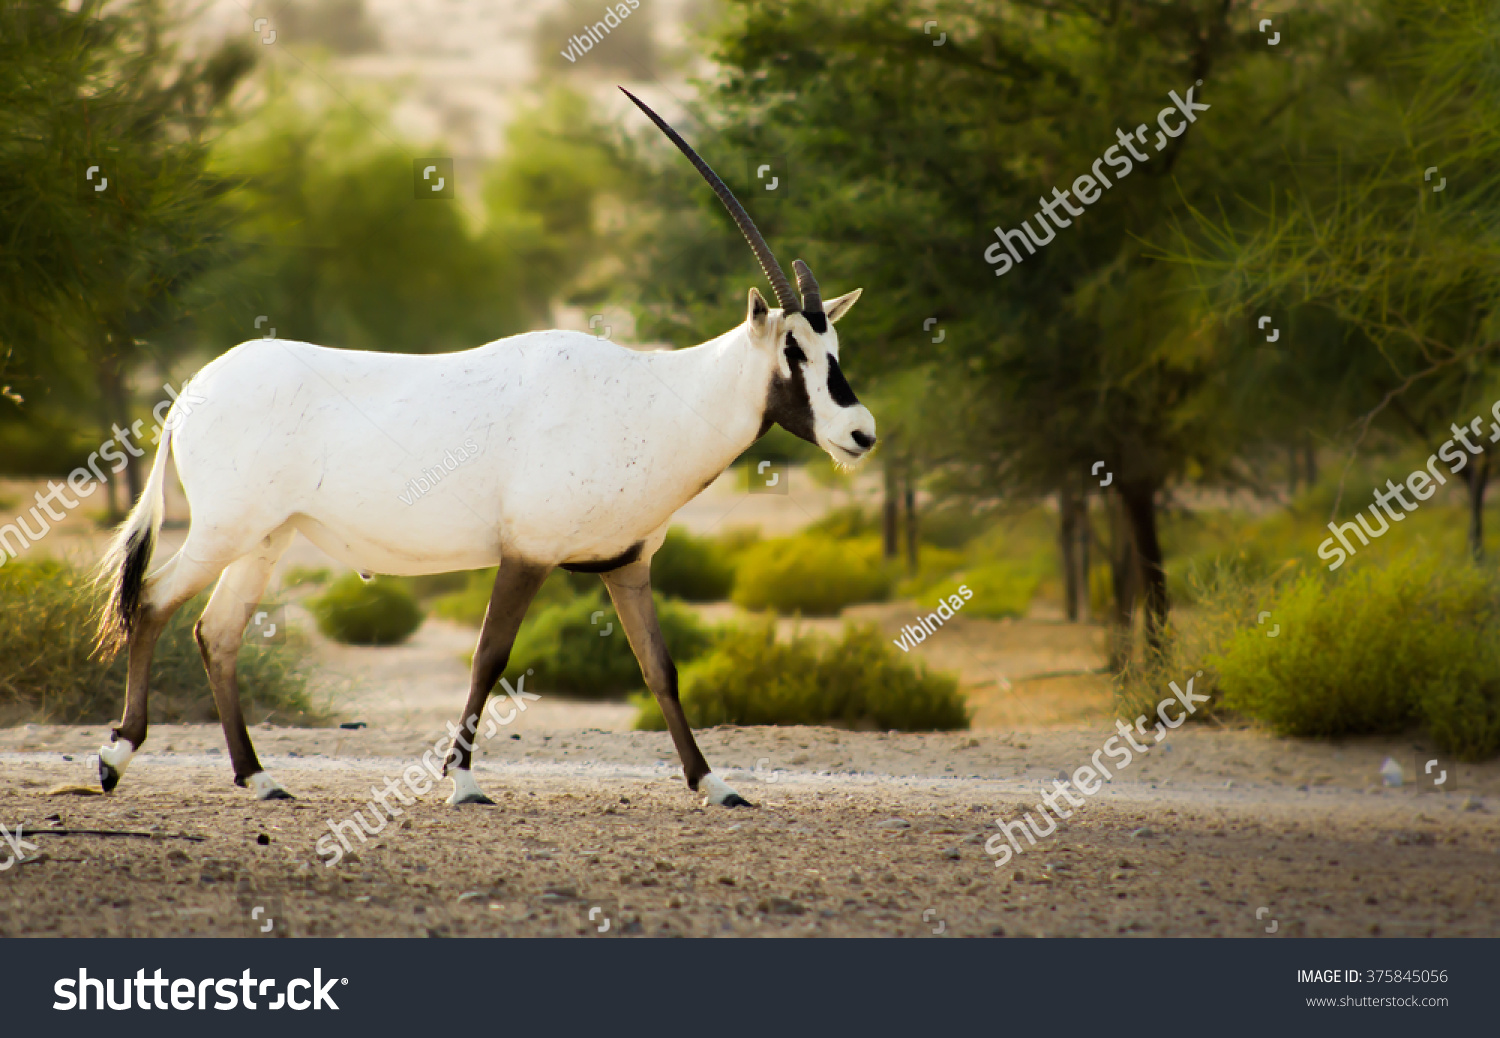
1378, 648
578, 647
816, 576
697, 569
859, 682
1000, 589
378, 612
49, 674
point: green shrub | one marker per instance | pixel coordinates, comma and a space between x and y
844, 523
859, 682
1375, 650
1000, 589
953, 524
811, 575
692, 568
48, 675
578, 647
378, 612
935, 569
736, 540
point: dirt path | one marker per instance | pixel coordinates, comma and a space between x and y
1191, 841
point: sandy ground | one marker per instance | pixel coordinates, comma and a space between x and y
856, 833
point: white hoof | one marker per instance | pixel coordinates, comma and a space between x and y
719, 792
113, 760
266, 788
465, 789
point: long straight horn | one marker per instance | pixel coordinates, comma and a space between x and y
779, 283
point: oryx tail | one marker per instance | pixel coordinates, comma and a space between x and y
124, 566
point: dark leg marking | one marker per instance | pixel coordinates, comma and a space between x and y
516, 584
144, 633
630, 590
224, 681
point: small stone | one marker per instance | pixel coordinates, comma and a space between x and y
1390, 773
781, 906
1471, 804
1144, 832
893, 823
952, 854
263, 840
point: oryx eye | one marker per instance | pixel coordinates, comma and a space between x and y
793, 351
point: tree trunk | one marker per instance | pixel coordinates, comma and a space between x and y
1309, 461
1085, 534
1476, 478
1291, 470
115, 400
1139, 500
1124, 580
891, 508
1067, 536
911, 523
1122, 566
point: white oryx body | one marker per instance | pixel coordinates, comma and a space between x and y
584, 448
542, 450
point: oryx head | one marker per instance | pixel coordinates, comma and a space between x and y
808, 395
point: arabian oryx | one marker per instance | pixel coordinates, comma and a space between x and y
586, 449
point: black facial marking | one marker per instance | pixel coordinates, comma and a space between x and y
787, 402
794, 354
818, 321
838, 386
625, 558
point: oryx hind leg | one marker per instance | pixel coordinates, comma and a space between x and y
516, 584
630, 590
165, 592
219, 631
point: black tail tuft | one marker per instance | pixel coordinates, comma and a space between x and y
125, 570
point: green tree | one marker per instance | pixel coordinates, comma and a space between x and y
109, 209
904, 156
1401, 253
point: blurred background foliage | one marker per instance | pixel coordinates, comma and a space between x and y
1132, 343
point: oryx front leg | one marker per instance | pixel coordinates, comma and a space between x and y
219, 633
630, 590
516, 584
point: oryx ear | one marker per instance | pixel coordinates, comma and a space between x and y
836, 308
758, 311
